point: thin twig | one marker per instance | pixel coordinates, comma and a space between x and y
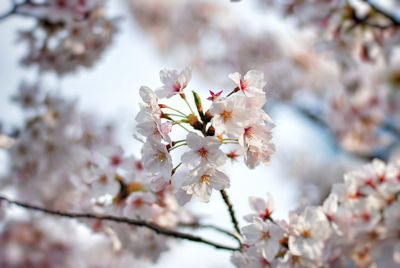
196, 225
228, 203
140, 223
14, 9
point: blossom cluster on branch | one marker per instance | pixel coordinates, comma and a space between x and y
67, 34
137, 203
342, 53
356, 223
235, 119
83, 170
114, 207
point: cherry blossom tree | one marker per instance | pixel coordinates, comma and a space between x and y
72, 196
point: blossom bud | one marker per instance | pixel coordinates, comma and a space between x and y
194, 122
198, 103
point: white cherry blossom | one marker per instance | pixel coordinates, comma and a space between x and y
202, 180
156, 158
103, 183
230, 115
266, 235
139, 205
204, 151
252, 83
174, 82
263, 208
308, 233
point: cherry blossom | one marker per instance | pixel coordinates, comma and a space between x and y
174, 82
252, 83
139, 205
205, 151
308, 232
333, 63
202, 180
230, 115
263, 209
266, 234
156, 158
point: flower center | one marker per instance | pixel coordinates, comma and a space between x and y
177, 87
248, 132
205, 179
266, 214
116, 160
243, 84
306, 233
103, 179
366, 217
202, 152
161, 157
265, 235
138, 203
226, 115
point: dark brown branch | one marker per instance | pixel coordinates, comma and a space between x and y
16, 6
135, 222
383, 12
228, 203
12, 11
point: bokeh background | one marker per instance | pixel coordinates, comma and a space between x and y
308, 158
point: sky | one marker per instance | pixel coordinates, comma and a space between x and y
110, 90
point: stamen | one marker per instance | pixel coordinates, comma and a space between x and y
306, 233
205, 179
203, 152
226, 115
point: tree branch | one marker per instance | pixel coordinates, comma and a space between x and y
135, 222
197, 225
12, 11
383, 12
16, 6
228, 203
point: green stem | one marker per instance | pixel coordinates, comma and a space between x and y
183, 96
175, 168
177, 146
176, 110
230, 142
169, 114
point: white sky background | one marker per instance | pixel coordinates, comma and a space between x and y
110, 90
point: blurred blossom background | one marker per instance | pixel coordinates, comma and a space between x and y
333, 93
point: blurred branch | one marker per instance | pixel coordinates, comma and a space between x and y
135, 222
16, 6
382, 11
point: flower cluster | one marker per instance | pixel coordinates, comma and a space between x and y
38, 242
236, 119
359, 28
365, 207
63, 161
69, 34
331, 44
